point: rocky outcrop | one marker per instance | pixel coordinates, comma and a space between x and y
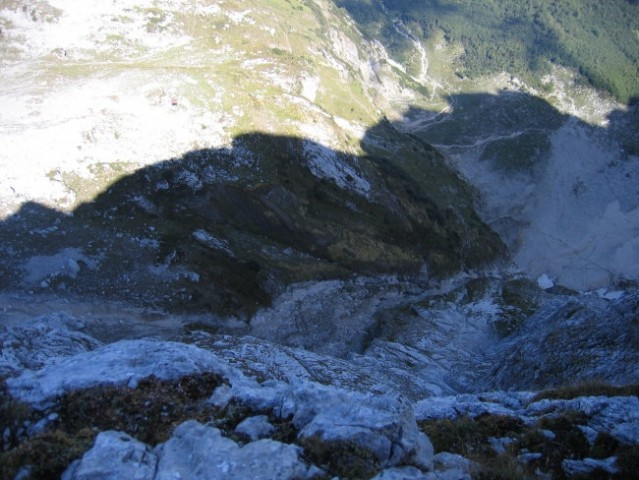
569, 340
226, 230
114, 455
200, 452
344, 431
40, 342
297, 414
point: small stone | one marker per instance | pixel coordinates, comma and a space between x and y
545, 282
587, 466
221, 396
400, 473
452, 461
256, 427
590, 433
529, 457
548, 434
499, 444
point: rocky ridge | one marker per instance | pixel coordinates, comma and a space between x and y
323, 415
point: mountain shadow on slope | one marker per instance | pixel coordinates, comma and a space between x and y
561, 192
514, 126
224, 230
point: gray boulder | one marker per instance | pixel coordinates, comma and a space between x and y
200, 452
255, 427
379, 430
114, 456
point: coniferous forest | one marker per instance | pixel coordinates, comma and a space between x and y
522, 37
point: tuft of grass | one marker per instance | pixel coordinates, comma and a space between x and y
502, 467
628, 462
46, 455
593, 388
13, 416
469, 436
342, 459
149, 413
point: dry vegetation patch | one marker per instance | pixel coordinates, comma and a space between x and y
43, 444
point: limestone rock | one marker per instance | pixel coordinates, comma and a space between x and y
199, 452
114, 456
565, 342
120, 363
587, 466
255, 427
47, 339
379, 428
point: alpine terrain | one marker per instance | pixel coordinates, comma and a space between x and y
319, 239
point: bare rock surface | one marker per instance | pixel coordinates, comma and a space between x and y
200, 452
114, 455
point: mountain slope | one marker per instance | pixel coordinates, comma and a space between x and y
512, 105
326, 193
228, 248
598, 40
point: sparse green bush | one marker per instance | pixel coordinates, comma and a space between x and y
149, 413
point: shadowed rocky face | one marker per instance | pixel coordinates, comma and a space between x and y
223, 230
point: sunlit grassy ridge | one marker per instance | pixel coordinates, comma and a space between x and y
598, 39
152, 81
